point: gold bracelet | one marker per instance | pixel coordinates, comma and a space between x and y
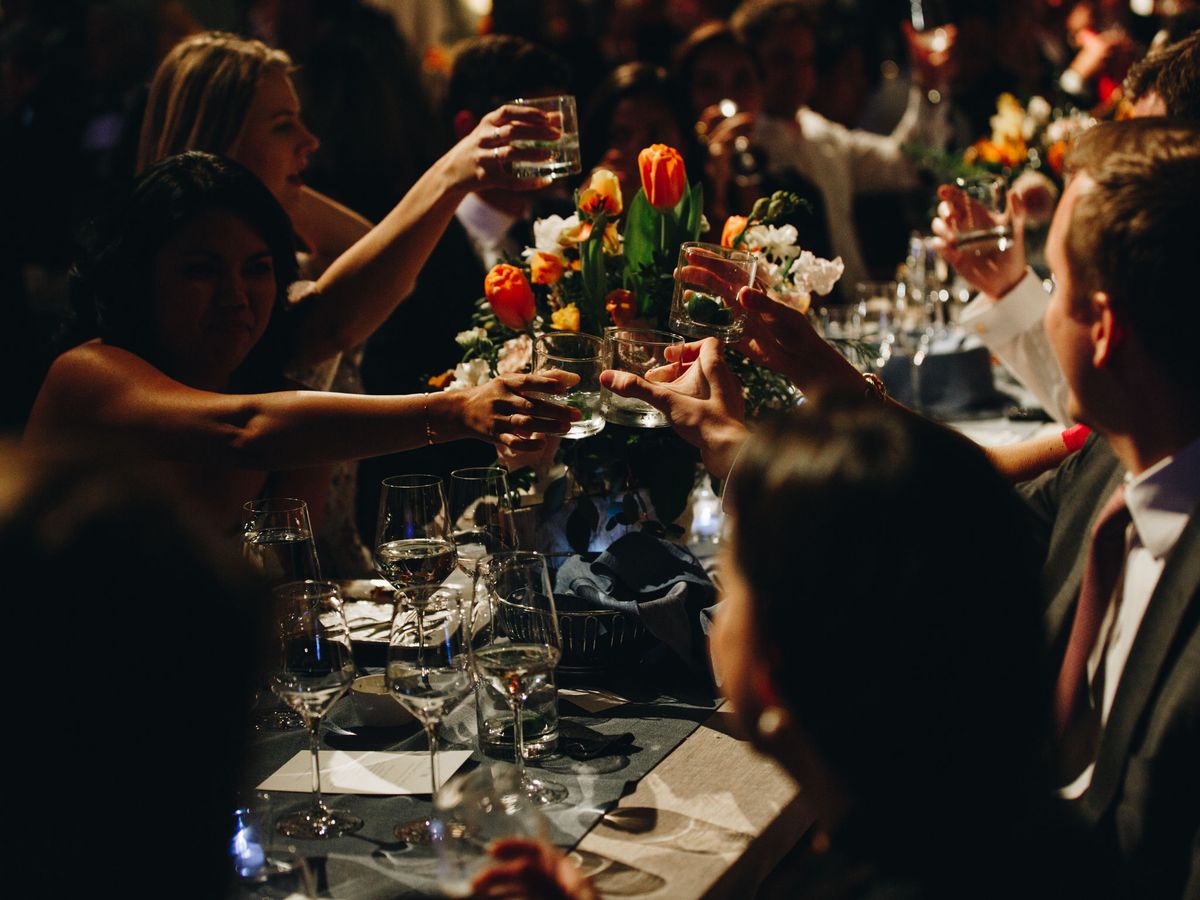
875, 387
428, 427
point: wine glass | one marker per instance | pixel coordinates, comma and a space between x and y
521, 644
414, 547
428, 672
481, 510
315, 668
277, 541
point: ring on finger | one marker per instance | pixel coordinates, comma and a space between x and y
495, 153
496, 133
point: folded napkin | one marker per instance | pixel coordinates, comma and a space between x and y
661, 584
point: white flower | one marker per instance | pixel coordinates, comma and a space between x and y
704, 224
816, 274
1039, 110
470, 374
515, 355
470, 337
547, 234
778, 243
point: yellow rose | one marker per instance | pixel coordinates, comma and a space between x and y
602, 193
565, 319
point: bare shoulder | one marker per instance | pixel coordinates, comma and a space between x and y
81, 381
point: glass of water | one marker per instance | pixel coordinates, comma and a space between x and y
561, 155
707, 280
636, 350
987, 220
277, 539
583, 355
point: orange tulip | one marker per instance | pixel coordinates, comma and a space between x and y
734, 226
621, 306
545, 268
508, 291
565, 319
663, 176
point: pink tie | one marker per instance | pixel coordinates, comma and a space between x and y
1106, 559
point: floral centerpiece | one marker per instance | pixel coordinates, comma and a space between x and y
585, 273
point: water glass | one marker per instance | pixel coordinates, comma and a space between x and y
986, 220
583, 355
636, 350
707, 280
561, 156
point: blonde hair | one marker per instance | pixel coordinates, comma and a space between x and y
201, 94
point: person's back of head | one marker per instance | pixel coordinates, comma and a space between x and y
754, 20
201, 93
491, 70
896, 600
1133, 234
1172, 75
139, 643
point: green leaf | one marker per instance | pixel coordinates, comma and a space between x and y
691, 224
591, 254
641, 232
581, 523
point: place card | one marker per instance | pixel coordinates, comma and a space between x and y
592, 701
365, 772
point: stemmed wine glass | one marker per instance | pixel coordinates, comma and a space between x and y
520, 646
277, 541
481, 510
414, 547
315, 668
428, 672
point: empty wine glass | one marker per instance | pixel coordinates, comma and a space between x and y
474, 812
481, 509
414, 547
428, 671
520, 645
315, 668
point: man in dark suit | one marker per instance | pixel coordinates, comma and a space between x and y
1121, 323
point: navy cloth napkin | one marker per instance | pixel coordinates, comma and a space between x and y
661, 584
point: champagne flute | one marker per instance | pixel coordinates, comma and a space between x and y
428, 672
277, 541
315, 668
521, 646
414, 547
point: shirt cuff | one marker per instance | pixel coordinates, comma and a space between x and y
1000, 322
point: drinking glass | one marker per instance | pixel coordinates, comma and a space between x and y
636, 350
428, 672
707, 280
315, 668
471, 814
986, 220
560, 157
481, 510
414, 547
520, 646
582, 354
277, 539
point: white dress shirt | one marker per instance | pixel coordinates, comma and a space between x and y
487, 228
1012, 330
1161, 502
842, 161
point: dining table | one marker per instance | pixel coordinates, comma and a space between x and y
682, 807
